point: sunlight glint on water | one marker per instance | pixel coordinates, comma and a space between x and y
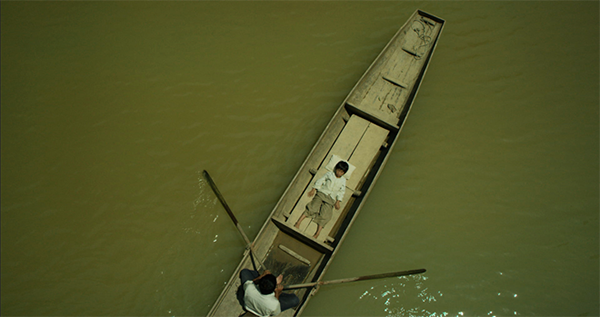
112, 110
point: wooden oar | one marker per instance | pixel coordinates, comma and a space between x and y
233, 218
355, 279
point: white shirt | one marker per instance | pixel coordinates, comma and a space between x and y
331, 185
259, 304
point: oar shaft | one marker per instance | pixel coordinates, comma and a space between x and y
354, 279
230, 213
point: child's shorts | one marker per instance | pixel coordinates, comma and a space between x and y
320, 208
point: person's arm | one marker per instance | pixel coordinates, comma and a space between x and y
337, 204
340, 195
278, 290
319, 183
261, 276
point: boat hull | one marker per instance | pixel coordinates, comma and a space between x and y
363, 132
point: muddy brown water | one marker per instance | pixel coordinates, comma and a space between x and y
112, 110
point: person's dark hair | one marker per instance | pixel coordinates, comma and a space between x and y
267, 284
341, 165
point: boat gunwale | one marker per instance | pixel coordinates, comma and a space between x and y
395, 137
326, 260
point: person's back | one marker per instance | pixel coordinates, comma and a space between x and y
263, 294
259, 303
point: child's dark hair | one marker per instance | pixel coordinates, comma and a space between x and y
341, 165
267, 284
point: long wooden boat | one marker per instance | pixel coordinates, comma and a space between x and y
362, 132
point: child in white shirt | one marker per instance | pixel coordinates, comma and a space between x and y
329, 191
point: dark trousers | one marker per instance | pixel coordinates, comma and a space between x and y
286, 301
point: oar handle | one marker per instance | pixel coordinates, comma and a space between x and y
354, 279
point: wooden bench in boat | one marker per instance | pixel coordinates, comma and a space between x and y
359, 143
375, 110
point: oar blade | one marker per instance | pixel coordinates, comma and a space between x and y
220, 197
232, 216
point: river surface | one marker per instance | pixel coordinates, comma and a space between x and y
111, 111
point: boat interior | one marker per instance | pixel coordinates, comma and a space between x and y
362, 132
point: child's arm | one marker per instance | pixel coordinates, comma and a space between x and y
318, 184
340, 195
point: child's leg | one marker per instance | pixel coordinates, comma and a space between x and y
312, 209
319, 228
324, 215
297, 225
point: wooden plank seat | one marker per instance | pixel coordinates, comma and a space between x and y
359, 143
382, 97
